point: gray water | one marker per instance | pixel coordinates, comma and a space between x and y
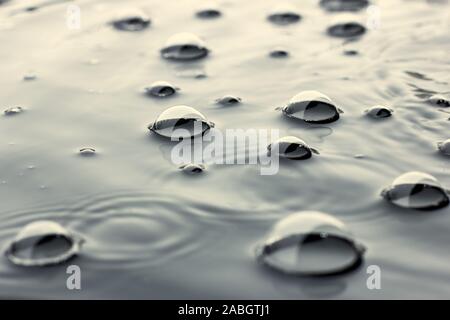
152, 231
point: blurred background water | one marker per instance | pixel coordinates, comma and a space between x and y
153, 232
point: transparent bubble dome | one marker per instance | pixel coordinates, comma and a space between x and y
180, 122
310, 243
416, 190
313, 107
43, 243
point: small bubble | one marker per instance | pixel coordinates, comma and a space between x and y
184, 46
439, 100
284, 15
359, 156
229, 100
343, 5
444, 147
43, 243
192, 168
378, 112
87, 152
312, 107
279, 53
160, 89
208, 13
13, 111
31, 167
133, 20
310, 243
291, 148
351, 52
180, 122
346, 30
416, 190
29, 77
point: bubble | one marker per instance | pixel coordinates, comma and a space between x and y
284, 15
208, 13
184, 46
229, 100
312, 107
439, 100
291, 148
29, 77
13, 111
351, 52
343, 5
378, 112
87, 152
161, 89
132, 20
444, 147
43, 243
192, 168
279, 53
416, 190
192, 123
346, 30
310, 243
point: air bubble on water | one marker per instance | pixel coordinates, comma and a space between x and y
439, 100
378, 112
359, 156
192, 168
312, 107
43, 243
351, 52
444, 147
292, 148
310, 243
13, 111
284, 15
346, 30
228, 100
87, 152
31, 167
416, 190
29, 77
343, 5
161, 89
131, 20
208, 13
180, 122
184, 46
279, 53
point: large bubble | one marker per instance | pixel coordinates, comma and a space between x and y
180, 122
313, 107
416, 190
43, 243
310, 243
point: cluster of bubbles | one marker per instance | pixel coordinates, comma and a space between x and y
307, 243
